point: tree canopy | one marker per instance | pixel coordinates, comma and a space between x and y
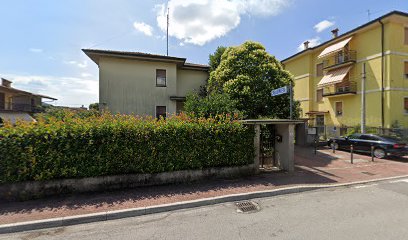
248, 74
215, 59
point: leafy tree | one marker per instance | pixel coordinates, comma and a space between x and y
248, 74
215, 59
94, 106
211, 105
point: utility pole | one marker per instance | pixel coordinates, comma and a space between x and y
168, 12
363, 100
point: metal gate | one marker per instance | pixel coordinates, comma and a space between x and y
268, 159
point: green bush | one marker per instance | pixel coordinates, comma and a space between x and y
74, 147
211, 105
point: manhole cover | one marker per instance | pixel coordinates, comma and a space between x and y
368, 173
246, 206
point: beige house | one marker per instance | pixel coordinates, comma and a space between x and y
145, 84
18, 104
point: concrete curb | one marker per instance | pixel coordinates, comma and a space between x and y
134, 212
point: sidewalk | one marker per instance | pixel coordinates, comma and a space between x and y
323, 168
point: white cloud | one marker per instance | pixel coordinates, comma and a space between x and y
83, 64
36, 50
144, 28
312, 43
86, 75
199, 22
323, 25
70, 91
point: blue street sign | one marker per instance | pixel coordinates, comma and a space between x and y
279, 91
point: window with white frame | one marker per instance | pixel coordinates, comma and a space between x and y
161, 80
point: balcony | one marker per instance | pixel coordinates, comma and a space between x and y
340, 59
20, 107
348, 88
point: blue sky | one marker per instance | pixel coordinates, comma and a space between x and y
41, 40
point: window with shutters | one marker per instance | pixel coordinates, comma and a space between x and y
160, 78
319, 95
406, 69
160, 112
319, 70
339, 109
406, 35
406, 105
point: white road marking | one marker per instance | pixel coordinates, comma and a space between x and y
401, 180
364, 186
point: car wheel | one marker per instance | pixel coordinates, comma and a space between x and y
379, 153
336, 145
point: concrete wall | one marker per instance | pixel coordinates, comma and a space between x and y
285, 149
39, 189
129, 86
190, 81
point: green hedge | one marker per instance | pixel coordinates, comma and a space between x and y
107, 145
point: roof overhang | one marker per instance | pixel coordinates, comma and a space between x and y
317, 112
22, 92
95, 55
177, 98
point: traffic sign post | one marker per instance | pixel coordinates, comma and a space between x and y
285, 90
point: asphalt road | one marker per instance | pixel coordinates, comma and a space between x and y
372, 211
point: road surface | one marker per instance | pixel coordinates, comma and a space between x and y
371, 211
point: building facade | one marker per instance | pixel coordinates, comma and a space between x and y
367, 64
145, 84
18, 104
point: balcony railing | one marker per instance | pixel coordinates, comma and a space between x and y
340, 58
20, 107
340, 89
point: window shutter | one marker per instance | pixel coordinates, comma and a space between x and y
319, 70
406, 68
406, 103
406, 35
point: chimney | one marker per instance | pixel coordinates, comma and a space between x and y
335, 32
306, 44
5, 82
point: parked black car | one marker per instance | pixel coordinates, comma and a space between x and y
383, 145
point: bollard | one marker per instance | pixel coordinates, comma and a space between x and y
372, 153
315, 146
351, 151
334, 146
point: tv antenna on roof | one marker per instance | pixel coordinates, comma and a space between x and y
168, 13
369, 14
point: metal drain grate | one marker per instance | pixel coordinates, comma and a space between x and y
368, 173
246, 206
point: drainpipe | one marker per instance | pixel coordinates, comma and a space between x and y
382, 73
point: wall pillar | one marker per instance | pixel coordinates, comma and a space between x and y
285, 149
